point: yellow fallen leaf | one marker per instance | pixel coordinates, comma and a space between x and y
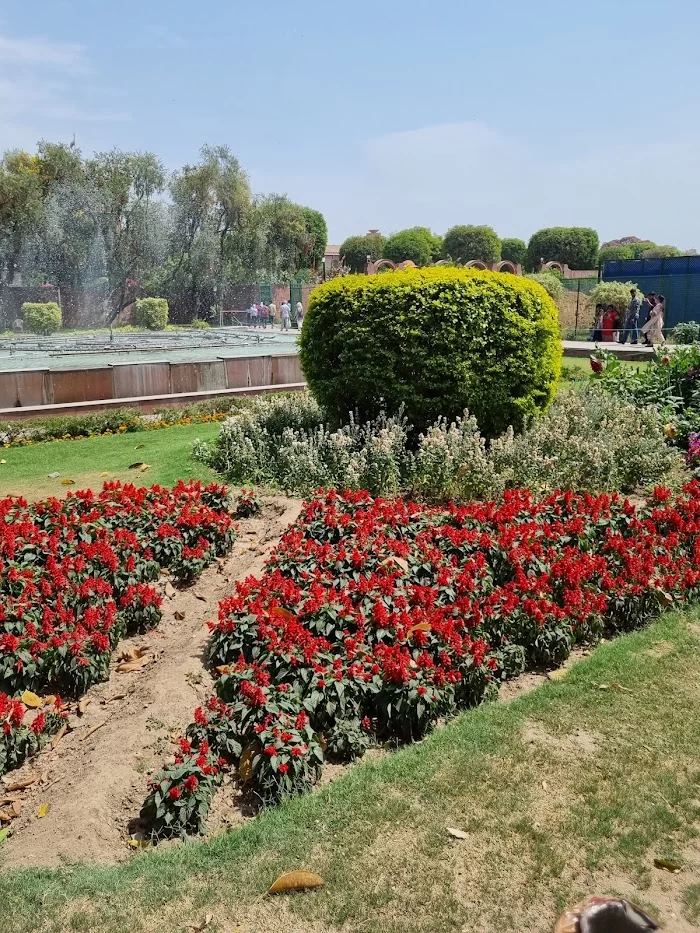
67, 482
3, 461
296, 881
104, 473
558, 675
245, 765
139, 843
43, 810
145, 467
31, 700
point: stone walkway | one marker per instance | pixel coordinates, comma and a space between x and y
583, 348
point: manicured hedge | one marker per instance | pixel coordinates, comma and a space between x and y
152, 313
435, 341
43, 317
576, 247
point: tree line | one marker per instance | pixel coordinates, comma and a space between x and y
577, 247
119, 224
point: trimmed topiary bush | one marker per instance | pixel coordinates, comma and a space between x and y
514, 250
356, 249
152, 313
464, 243
550, 283
435, 341
576, 247
42, 317
415, 244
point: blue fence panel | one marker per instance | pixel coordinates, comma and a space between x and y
676, 278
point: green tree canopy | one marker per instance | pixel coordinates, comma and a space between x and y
514, 250
576, 247
356, 249
416, 244
465, 243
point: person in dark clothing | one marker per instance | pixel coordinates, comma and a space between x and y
631, 327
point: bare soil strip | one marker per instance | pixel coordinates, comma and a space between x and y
94, 780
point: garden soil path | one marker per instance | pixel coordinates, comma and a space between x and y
94, 782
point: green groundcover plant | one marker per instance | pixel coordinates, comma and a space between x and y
433, 341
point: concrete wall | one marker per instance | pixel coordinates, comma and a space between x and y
29, 388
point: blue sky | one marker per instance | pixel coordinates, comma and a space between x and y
389, 114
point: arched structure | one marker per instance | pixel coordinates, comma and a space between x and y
505, 265
555, 265
477, 264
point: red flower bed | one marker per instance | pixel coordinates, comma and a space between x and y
22, 736
375, 618
76, 574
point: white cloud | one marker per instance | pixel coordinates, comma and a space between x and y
43, 91
472, 172
67, 56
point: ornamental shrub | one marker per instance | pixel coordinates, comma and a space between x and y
615, 253
356, 249
152, 313
575, 246
433, 342
415, 245
616, 294
464, 243
42, 317
550, 282
514, 250
686, 332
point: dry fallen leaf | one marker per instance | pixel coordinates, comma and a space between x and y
16, 808
43, 810
136, 843
180, 616
133, 653
104, 473
22, 783
83, 705
667, 865
200, 597
457, 833
202, 925
112, 699
50, 700
139, 447
53, 475
170, 590
557, 675
282, 613
6, 816
137, 465
59, 735
67, 482
545, 785
245, 765
144, 467
3, 461
133, 667
296, 881
92, 730
399, 561
31, 700
421, 627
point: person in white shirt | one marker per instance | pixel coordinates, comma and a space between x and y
286, 313
300, 314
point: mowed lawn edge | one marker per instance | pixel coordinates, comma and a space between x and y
167, 451
572, 789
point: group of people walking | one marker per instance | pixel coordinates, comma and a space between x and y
610, 326
260, 315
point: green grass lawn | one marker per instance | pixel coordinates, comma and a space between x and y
572, 789
167, 451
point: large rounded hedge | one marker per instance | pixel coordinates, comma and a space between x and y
435, 340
